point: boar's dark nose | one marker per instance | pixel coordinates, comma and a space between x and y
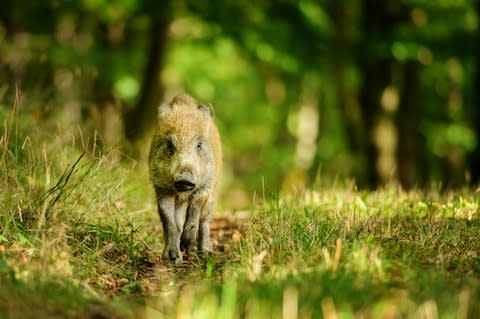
184, 185
184, 182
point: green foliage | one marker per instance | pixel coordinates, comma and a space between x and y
260, 64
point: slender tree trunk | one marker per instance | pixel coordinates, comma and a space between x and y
410, 141
6, 15
141, 118
379, 20
376, 76
475, 157
346, 99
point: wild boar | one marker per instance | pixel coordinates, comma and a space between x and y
185, 162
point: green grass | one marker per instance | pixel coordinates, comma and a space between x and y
80, 238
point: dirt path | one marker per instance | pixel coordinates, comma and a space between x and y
227, 228
161, 276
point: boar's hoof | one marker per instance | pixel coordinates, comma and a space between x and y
174, 255
187, 245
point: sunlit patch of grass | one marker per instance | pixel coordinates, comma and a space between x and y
349, 254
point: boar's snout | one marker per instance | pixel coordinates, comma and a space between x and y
184, 182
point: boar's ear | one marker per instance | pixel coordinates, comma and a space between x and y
163, 108
206, 108
183, 98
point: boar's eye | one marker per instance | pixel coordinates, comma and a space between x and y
170, 145
199, 146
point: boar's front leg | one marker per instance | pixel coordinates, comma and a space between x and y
204, 243
190, 229
171, 231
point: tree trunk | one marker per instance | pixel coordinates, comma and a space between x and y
376, 76
410, 141
345, 98
475, 157
141, 118
379, 19
6, 15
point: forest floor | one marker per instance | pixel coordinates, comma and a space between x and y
80, 238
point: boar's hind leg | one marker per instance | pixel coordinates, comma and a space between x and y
166, 210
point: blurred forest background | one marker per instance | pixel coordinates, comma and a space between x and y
304, 91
